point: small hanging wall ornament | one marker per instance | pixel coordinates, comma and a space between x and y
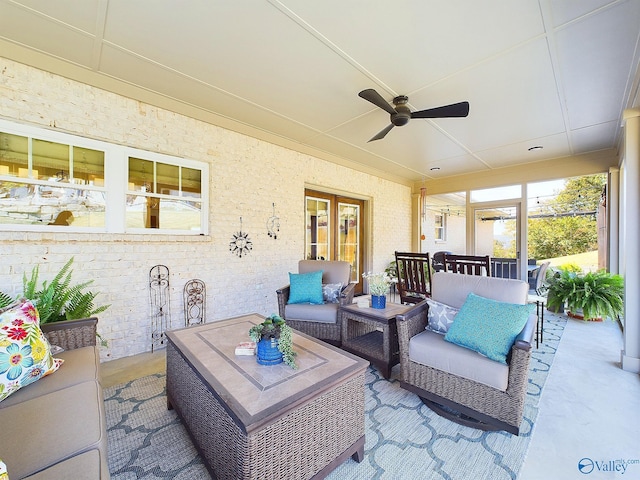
273, 224
240, 243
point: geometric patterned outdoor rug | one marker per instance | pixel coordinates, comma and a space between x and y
403, 438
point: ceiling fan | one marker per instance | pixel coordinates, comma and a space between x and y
401, 114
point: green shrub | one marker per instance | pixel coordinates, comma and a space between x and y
570, 267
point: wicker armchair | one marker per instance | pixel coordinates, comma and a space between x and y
71, 334
319, 321
462, 400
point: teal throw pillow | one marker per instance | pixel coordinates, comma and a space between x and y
488, 326
306, 288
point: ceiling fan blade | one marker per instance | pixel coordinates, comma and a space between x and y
382, 133
374, 97
454, 110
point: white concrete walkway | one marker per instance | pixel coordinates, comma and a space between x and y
589, 410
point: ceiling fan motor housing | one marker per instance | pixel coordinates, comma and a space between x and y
403, 113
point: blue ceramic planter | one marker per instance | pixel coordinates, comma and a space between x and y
267, 352
378, 301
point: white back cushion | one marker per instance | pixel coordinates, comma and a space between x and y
453, 288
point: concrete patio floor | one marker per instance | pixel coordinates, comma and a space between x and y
589, 410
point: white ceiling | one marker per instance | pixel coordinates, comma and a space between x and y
554, 73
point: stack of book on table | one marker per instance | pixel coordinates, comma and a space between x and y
246, 348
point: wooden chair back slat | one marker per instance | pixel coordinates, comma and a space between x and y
414, 276
468, 264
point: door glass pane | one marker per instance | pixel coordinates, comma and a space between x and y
348, 245
496, 236
317, 229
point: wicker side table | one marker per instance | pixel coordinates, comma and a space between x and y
371, 333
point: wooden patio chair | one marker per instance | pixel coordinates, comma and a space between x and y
414, 276
468, 264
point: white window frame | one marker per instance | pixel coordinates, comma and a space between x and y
442, 229
116, 173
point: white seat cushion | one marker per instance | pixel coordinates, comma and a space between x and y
430, 349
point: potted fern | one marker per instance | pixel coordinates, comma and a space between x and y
59, 299
592, 296
67, 311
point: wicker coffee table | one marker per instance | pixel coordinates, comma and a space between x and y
250, 421
372, 334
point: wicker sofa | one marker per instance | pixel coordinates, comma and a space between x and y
57, 425
458, 383
319, 321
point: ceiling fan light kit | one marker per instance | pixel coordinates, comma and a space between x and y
401, 113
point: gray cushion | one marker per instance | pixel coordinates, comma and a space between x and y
325, 313
453, 288
86, 466
430, 349
80, 365
333, 271
53, 428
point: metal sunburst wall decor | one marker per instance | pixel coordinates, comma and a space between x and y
273, 224
240, 243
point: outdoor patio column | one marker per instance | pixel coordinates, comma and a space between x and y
631, 267
613, 220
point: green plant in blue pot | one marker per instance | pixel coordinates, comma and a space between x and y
274, 342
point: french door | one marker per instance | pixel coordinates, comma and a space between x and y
334, 231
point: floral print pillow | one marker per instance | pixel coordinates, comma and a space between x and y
3, 471
25, 354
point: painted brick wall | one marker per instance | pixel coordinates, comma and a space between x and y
246, 176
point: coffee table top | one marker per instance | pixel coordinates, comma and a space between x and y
387, 313
256, 395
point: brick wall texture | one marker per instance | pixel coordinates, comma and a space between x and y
247, 176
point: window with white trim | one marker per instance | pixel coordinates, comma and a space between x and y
440, 234
50, 181
163, 195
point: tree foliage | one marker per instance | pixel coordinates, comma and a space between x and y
557, 235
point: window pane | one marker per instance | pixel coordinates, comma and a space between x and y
152, 212
88, 166
439, 227
140, 175
494, 194
50, 161
24, 204
14, 151
167, 179
191, 182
